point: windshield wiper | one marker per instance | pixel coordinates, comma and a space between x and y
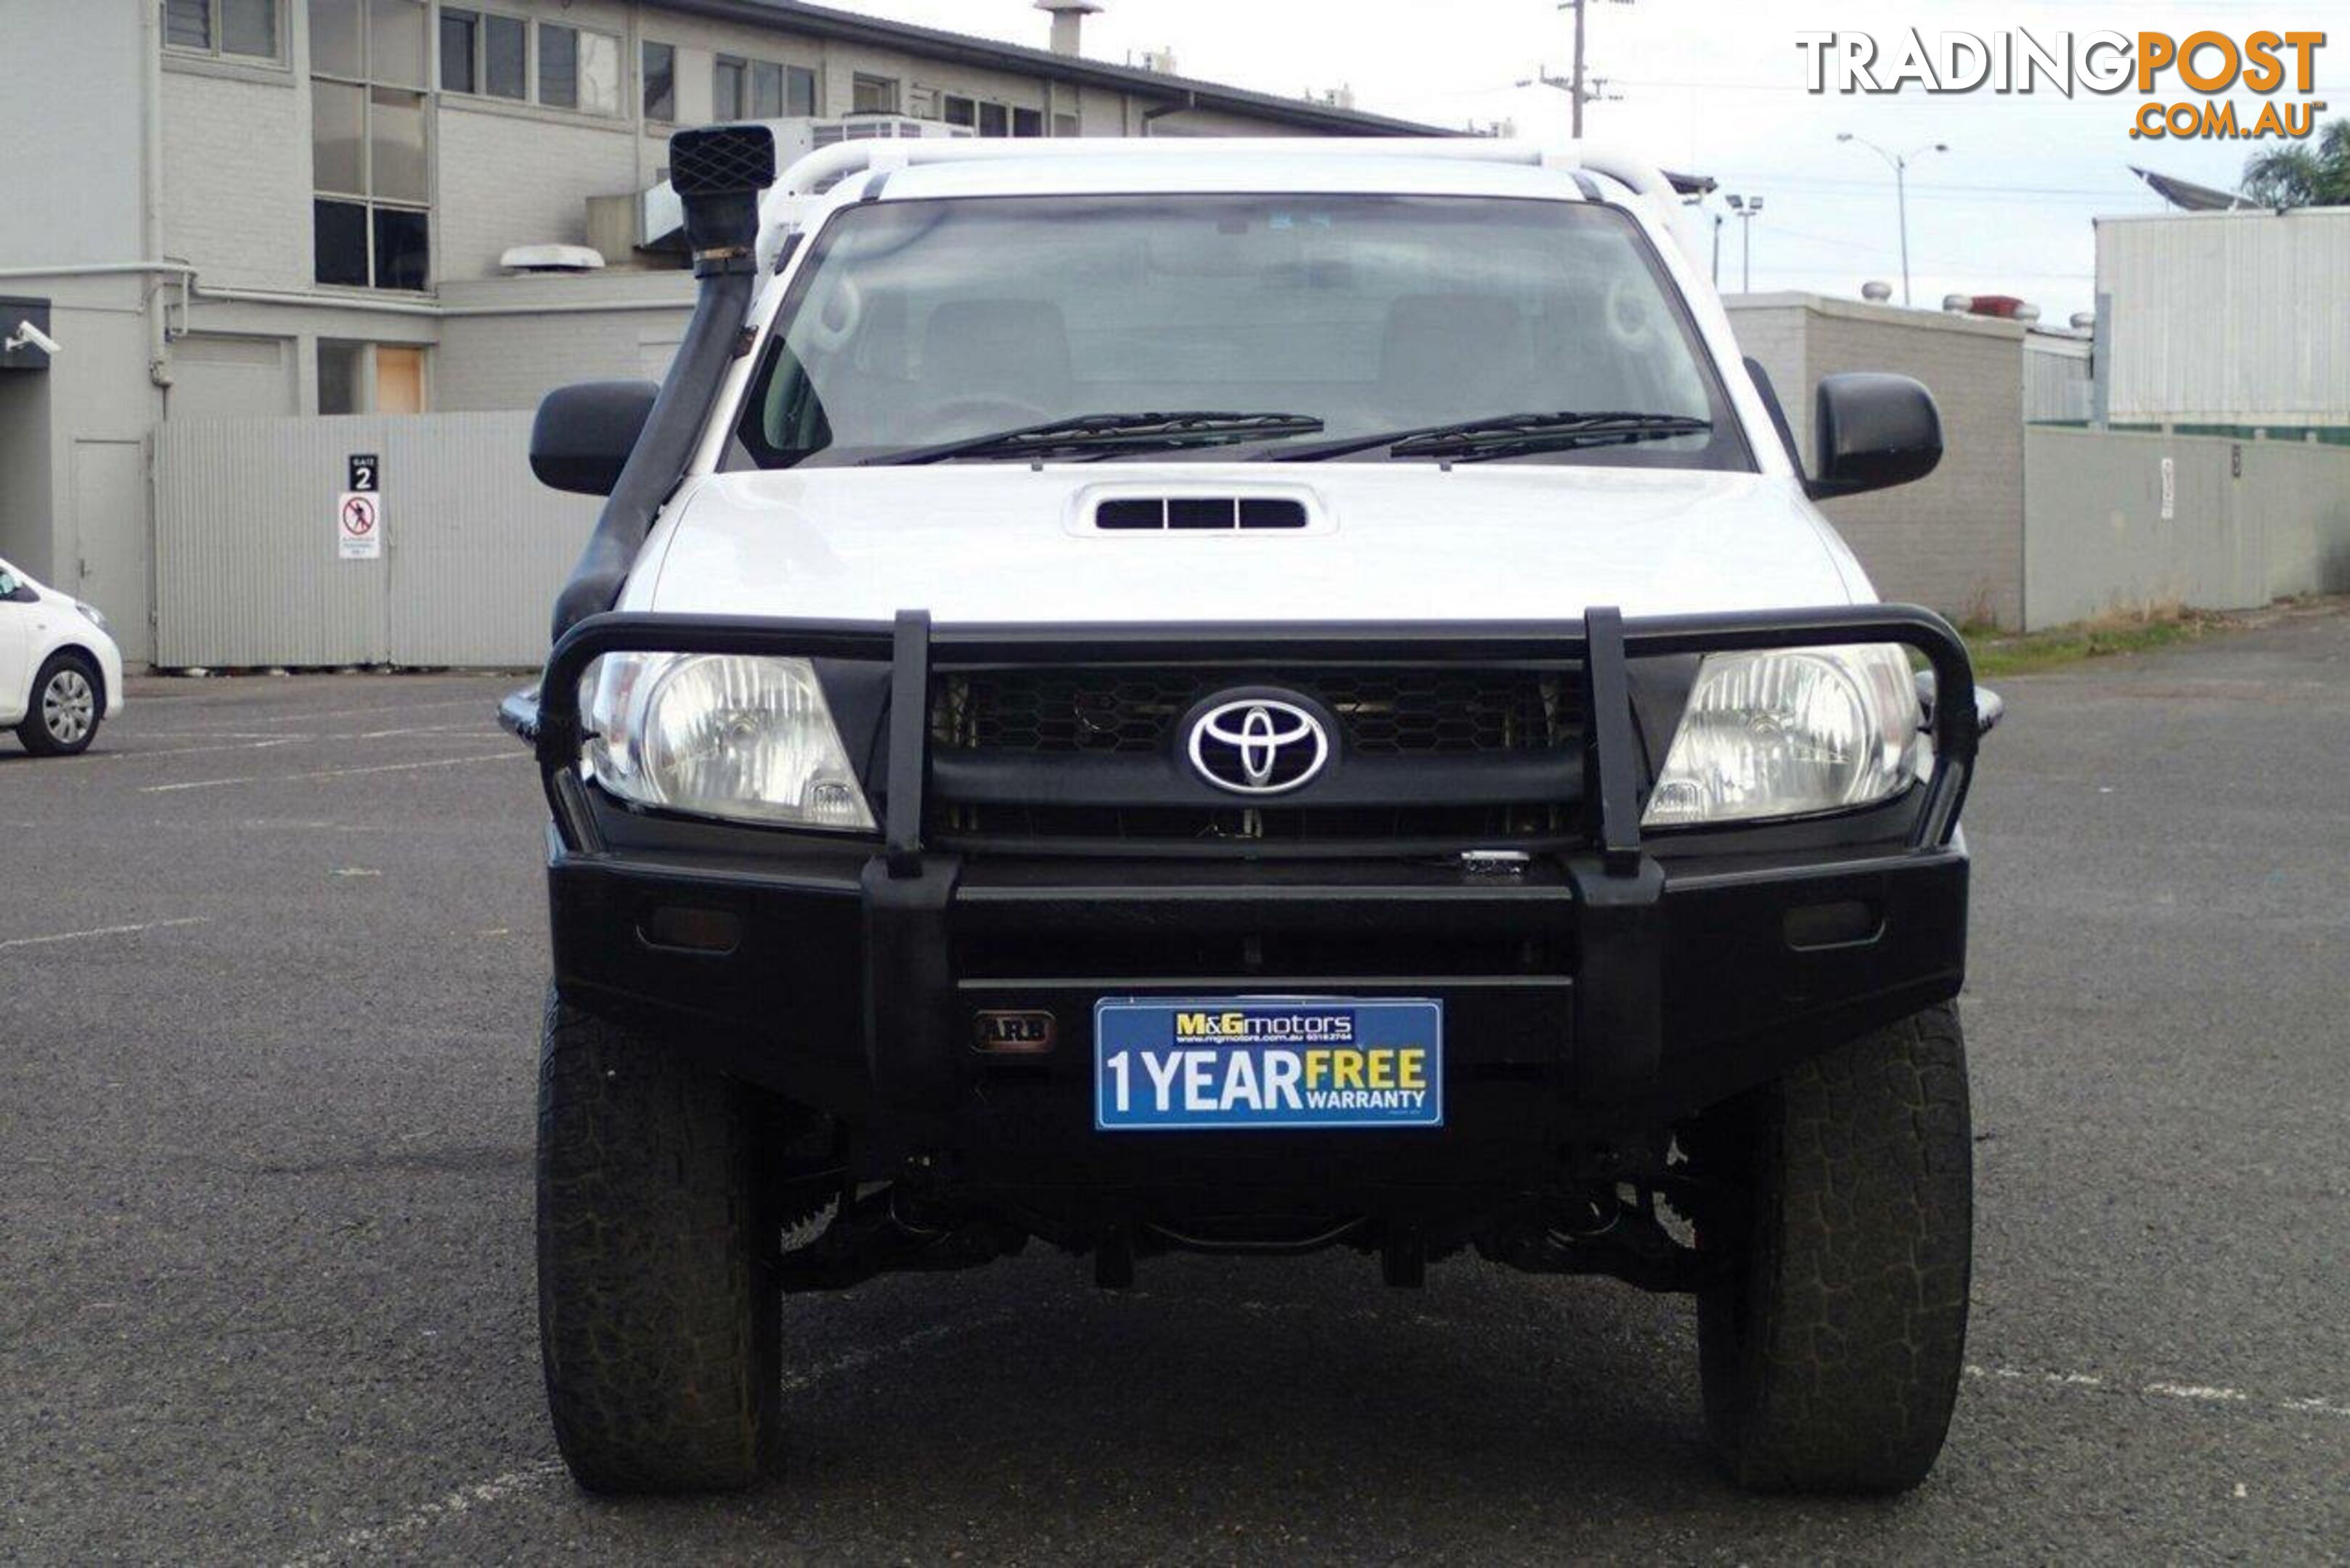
1501, 435
1108, 433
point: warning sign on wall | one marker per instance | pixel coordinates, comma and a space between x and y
359, 526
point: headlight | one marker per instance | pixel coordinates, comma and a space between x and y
718, 735
90, 613
1792, 732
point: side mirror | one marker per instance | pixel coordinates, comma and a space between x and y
1874, 431
583, 435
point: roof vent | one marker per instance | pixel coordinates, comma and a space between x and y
1068, 23
551, 258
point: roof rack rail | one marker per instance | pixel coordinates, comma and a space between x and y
788, 202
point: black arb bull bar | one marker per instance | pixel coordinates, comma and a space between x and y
1683, 989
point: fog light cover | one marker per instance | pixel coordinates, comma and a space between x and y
1792, 732
723, 736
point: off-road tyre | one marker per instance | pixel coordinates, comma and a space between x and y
660, 1321
1832, 1341
71, 680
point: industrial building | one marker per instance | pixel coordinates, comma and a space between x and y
291, 213
2226, 323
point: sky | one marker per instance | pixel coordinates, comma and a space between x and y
1717, 87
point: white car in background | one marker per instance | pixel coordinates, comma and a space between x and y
60, 672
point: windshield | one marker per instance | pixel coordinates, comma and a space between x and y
923, 323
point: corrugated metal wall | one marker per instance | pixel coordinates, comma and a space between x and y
2057, 387
2227, 319
2250, 521
247, 569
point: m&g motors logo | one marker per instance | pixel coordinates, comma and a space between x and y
2019, 61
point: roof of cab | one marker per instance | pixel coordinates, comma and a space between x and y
1214, 172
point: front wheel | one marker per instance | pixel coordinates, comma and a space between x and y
1832, 1339
658, 1317
66, 709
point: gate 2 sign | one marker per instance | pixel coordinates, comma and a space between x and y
359, 526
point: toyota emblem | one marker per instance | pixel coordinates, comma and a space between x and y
1258, 745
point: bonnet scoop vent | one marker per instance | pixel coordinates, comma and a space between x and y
1187, 513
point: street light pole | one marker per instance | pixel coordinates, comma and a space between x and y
1900, 165
1748, 209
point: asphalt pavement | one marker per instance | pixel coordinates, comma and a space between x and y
270, 967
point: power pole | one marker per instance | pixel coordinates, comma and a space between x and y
1577, 6
1580, 87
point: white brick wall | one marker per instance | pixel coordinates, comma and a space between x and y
509, 180
236, 180
1954, 541
512, 361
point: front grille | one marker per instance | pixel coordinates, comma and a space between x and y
1382, 712
1409, 721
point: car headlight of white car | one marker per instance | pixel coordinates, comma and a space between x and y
723, 736
1792, 732
90, 613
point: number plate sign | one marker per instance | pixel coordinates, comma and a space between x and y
1238, 1062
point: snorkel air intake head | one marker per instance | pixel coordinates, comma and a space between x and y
718, 174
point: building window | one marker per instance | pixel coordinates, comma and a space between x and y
578, 70
760, 90
370, 171
991, 118
232, 29
874, 95
484, 53
460, 50
487, 55
660, 82
558, 67
370, 378
506, 58
380, 41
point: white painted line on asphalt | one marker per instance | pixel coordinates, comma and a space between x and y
241, 745
102, 931
2196, 1391
269, 743
2018, 1375
424, 730
501, 756
441, 1510
2187, 1393
487, 704
851, 1361
530, 1477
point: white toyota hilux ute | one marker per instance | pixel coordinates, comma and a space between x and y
1240, 698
